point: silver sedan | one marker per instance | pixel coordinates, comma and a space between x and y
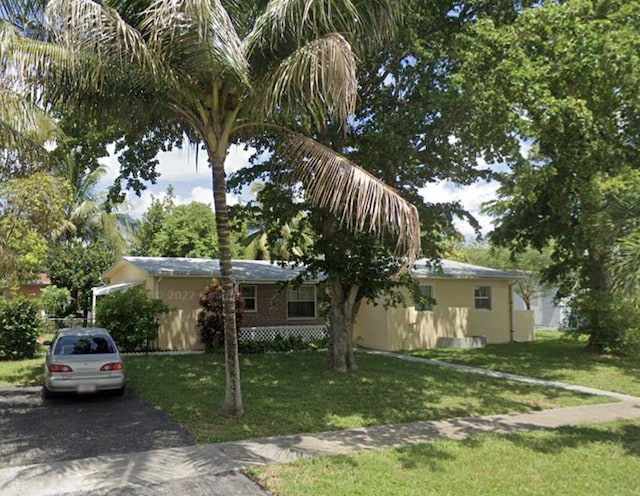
83, 360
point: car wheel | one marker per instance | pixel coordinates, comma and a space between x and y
46, 394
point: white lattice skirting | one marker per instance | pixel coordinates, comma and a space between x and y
307, 333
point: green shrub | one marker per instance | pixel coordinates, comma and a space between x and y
210, 320
55, 301
280, 345
617, 319
131, 317
20, 327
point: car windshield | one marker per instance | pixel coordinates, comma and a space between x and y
83, 345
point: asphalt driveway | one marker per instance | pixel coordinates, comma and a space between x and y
36, 431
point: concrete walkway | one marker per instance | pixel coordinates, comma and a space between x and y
140, 473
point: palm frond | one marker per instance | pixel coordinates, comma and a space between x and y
378, 21
195, 30
319, 78
299, 20
25, 118
88, 27
625, 264
360, 201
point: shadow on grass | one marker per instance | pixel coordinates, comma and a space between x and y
433, 456
24, 373
294, 393
548, 357
625, 435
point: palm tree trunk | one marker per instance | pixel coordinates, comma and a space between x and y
232, 406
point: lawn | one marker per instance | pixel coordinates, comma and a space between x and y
293, 393
22, 372
572, 461
553, 356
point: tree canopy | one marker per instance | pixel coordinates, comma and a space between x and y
562, 84
31, 214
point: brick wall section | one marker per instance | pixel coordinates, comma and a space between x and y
272, 310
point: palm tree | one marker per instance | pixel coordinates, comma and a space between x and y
89, 217
24, 127
225, 69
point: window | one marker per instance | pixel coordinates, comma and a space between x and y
249, 295
427, 292
301, 302
482, 297
84, 345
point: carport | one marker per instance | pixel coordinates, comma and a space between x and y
105, 290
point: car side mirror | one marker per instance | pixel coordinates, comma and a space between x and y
47, 343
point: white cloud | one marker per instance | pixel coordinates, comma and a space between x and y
471, 198
180, 165
178, 168
139, 205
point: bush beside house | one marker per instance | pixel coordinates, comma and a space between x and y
131, 317
20, 327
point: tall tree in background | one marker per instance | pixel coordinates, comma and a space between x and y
170, 230
563, 80
531, 262
224, 70
31, 214
90, 218
78, 266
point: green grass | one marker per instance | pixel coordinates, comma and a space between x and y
573, 461
294, 393
22, 372
552, 356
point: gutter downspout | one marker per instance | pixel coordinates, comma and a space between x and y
511, 329
156, 284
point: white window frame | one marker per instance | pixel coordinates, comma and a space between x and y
291, 291
425, 290
482, 298
254, 297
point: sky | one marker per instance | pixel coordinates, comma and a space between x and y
192, 182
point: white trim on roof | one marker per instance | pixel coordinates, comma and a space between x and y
122, 286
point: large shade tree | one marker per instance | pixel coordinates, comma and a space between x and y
564, 82
222, 70
410, 129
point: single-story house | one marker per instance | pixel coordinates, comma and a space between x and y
29, 289
470, 301
179, 282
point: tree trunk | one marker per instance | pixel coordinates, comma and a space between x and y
232, 406
599, 308
344, 305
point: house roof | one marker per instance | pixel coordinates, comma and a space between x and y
243, 270
423, 268
266, 271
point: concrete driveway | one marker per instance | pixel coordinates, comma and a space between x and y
71, 427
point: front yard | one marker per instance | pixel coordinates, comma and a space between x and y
293, 393
554, 356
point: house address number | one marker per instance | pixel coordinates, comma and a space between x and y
180, 295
